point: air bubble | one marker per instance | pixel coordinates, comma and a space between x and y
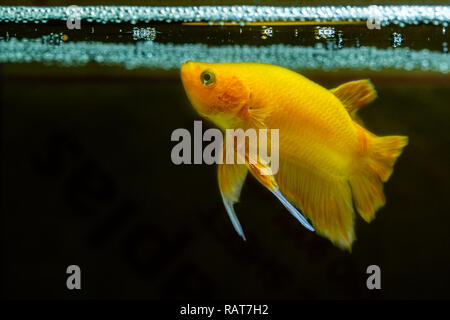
402, 15
396, 39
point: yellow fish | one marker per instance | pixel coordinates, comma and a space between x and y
329, 164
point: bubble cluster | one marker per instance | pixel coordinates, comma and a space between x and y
324, 32
396, 39
399, 15
148, 33
170, 56
266, 32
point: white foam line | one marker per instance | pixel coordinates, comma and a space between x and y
170, 56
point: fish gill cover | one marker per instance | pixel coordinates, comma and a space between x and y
327, 38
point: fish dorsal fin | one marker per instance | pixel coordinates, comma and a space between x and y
355, 94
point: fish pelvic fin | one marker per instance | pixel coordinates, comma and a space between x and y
231, 178
326, 200
375, 167
262, 172
354, 95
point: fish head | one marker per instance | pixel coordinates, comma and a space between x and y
216, 91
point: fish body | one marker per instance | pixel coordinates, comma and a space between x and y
314, 126
330, 166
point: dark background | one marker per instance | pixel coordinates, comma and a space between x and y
87, 179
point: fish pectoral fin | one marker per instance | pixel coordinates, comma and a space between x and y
354, 95
258, 115
231, 178
263, 173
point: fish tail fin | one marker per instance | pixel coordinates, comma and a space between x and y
380, 154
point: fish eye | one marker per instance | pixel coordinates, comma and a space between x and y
207, 78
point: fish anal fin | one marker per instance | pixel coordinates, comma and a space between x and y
354, 95
325, 199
